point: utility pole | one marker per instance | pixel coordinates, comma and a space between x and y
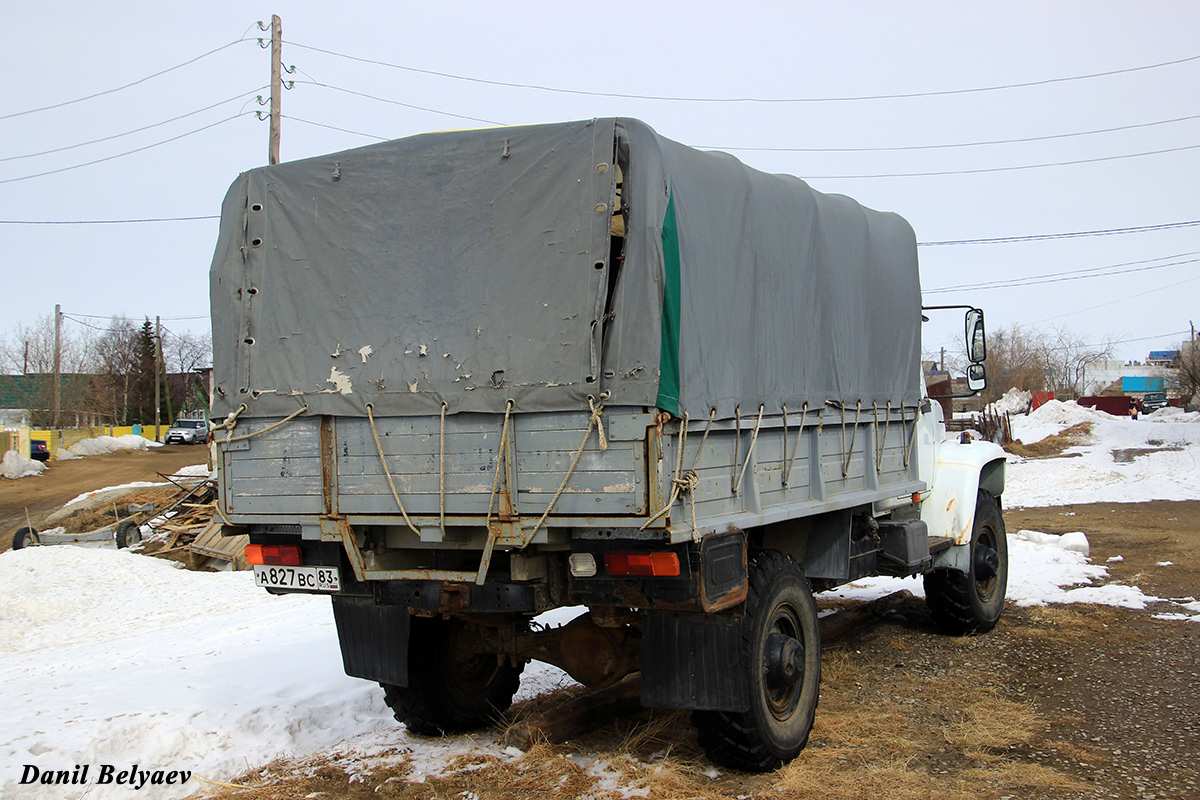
166, 384
57, 408
276, 86
157, 369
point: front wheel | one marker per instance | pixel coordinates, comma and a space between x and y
972, 602
781, 657
452, 685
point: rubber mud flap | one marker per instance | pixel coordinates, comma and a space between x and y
374, 639
690, 660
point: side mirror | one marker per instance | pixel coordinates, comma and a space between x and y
976, 375
976, 342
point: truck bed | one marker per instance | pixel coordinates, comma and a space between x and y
330, 466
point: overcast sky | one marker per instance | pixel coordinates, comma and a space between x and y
816, 53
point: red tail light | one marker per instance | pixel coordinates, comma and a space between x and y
284, 555
652, 564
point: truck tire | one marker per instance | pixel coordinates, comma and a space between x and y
781, 654
128, 533
24, 537
451, 687
971, 602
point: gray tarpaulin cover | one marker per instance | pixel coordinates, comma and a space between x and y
476, 267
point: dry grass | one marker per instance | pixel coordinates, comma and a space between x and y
1053, 445
1024, 778
861, 747
911, 731
1074, 623
992, 723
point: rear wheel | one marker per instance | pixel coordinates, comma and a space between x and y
128, 533
24, 537
972, 602
452, 685
781, 656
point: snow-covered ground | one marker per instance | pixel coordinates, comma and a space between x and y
1111, 468
110, 658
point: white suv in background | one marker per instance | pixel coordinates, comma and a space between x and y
187, 431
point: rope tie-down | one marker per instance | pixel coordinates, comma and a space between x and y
684, 481
230, 423
787, 472
737, 485
442, 473
881, 442
501, 459
387, 472
594, 421
847, 455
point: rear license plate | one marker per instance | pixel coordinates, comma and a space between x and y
310, 579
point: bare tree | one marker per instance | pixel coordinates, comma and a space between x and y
29, 352
117, 357
1067, 357
1016, 358
1038, 360
1187, 372
184, 353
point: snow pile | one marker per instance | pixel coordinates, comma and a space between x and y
193, 471
103, 445
63, 454
1124, 461
114, 658
1043, 569
1014, 401
94, 492
1053, 417
221, 673
1172, 414
14, 466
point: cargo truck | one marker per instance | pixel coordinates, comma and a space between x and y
470, 377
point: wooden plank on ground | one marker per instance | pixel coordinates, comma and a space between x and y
211, 544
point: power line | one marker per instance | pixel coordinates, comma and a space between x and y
1004, 169
135, 130
1148, 338
1024, 140
100, 221
1071, 275
85, 324
126, 153
398, 103
1118, 300
335, 128
1071, 235
938, 173
668, 98
127, 85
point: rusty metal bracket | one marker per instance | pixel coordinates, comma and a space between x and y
336, 528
